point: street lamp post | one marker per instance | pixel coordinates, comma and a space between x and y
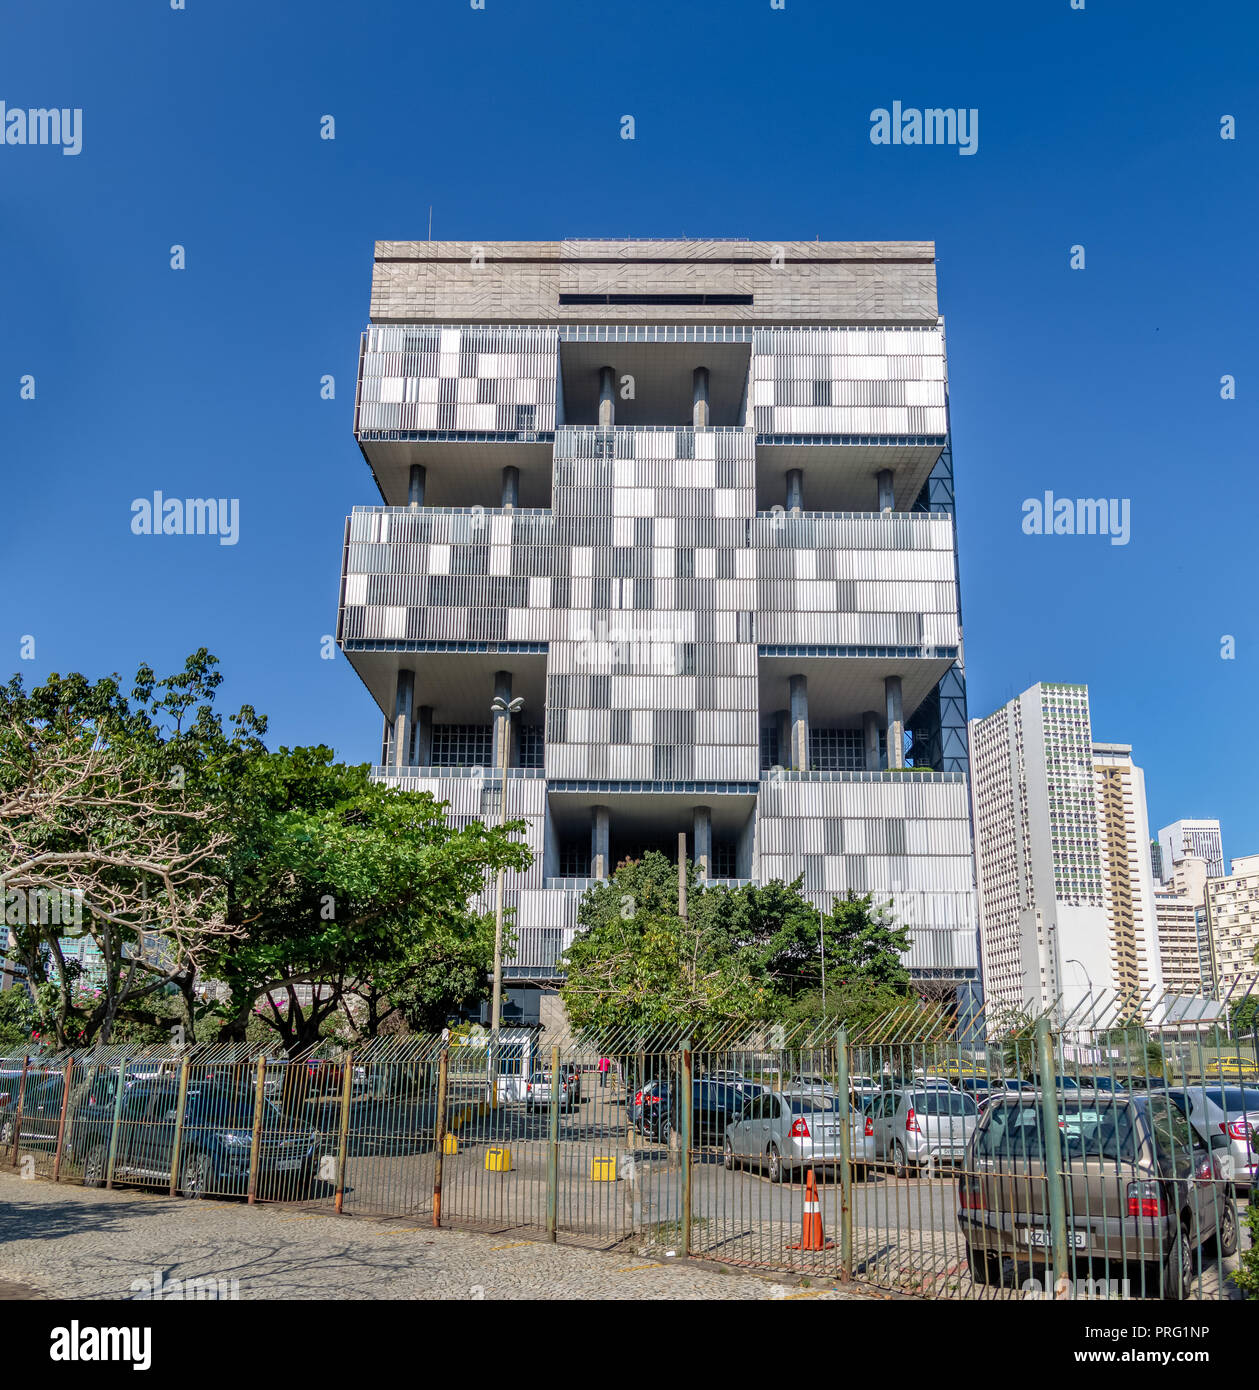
503, 710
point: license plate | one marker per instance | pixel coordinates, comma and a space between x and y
1033, 1236
286, 1165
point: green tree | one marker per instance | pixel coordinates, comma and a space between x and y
286, 876
637, 964
337, 883
863, 943
100, 807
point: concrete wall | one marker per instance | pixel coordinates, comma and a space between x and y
817, 282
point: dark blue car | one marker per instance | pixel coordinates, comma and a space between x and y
215, 1142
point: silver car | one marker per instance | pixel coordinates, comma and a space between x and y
788, 1131
1225, 1110
922, 1127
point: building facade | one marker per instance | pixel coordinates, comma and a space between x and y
1233, 917
1066, 892
1123, 830
692, 504
1184, 933
1195, 837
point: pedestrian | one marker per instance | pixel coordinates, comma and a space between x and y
604, 1064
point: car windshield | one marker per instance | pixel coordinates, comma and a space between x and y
1234, 1098
809, 1105
1106, 1129
231, 1109
942, 1103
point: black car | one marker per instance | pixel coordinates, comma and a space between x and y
215, 1144
715, 1105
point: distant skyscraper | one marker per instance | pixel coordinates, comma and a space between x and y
1156, 861
1066, 890
1203, 839
1042, 915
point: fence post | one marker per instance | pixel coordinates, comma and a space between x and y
843, 1087
113, 1133
1053, 1148
177, 1147
343, 1144
439, 1130
255, 1139
17, 1116
553, 1149
61, 1119
685, 1104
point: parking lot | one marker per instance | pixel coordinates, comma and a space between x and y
606, 1172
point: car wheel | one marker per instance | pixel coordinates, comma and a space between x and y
900, 1164
6, 1132
195, 1177
775, 1170
95, 1166
985, 1267
1226, 1232
1178, 1268
729, 1156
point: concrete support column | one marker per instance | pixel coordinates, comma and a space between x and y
386, 740
799, 724
502, 720
887, 492
870, 738
511, 487
424, 735
415, 487
607, 398
895, 722
795, 490
404, 697
600, 866
702, 836
699, 398
782, 723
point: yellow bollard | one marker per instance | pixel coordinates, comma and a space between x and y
603, 1169
450, 1144
498, 1160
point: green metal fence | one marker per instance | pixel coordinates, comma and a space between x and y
1107, 1156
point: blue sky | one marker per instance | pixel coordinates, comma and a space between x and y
201, 127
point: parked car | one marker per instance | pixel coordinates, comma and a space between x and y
646, 1098
571, 1073
41, 1110
215, 1143
922, 1126
714, 1106
538, 1091
1142, 1189
784, 1132
1232, 1111
810, 1083
733, 1078
1100, 1081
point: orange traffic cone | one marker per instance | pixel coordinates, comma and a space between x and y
812, 1236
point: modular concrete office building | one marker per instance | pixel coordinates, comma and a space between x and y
692, 502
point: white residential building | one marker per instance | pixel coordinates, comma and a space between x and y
1233, 914
1044, 931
